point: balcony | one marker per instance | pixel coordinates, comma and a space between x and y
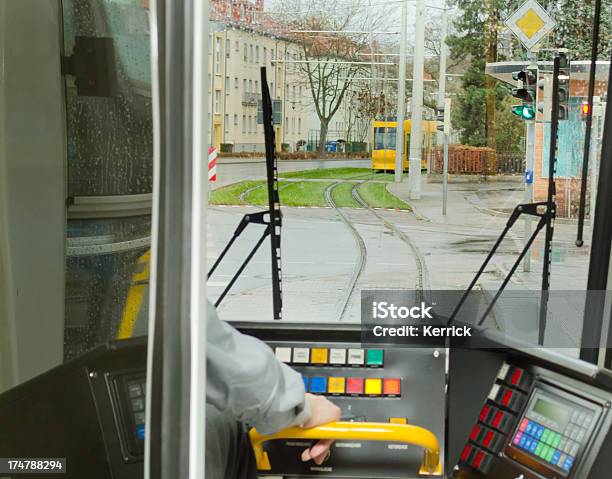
250, 99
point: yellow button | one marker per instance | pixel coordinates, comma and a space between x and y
318, 355
398, 420
373, 386
335, 385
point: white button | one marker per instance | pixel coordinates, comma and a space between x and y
356, 356
337, 356
301, 355
283, 354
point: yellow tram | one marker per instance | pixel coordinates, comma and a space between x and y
384, 139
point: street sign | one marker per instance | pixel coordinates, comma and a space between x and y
530, 23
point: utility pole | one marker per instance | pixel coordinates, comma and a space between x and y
414, 177
442, 75
445, 133
401, 96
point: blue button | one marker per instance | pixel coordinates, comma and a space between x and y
528, 443
568, 463
305, 379
140, 431
534, 445
539, 431
555, 458
530, 428
522, 442
318, 384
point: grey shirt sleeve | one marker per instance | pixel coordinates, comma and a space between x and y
245, 379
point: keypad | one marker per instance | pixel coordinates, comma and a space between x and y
136, 391
558, 448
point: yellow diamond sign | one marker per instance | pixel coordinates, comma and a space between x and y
530, 23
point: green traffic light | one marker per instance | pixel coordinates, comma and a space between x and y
526, 112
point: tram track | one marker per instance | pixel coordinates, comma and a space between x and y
422, 283
361, 261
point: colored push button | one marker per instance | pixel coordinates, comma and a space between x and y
482, 462
283, 354
318, 385
468, 453
337, 356
354, 386
356, 357
140, 431
373, 386
392, 387
336, 385
318, 355
301, 355
398, 420
485, 412
374, 358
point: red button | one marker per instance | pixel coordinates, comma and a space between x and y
466, 452
484, 413
516, 377
488, 438
354, 386
478, 460
475, 432
523, 426
507, 397
497, 419
392, 387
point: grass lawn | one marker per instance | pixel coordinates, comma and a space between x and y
342, 196
377, 196
340, 174
230, 194
299, 193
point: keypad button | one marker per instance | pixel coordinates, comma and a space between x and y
139, 418
581, 434
373, 386
538, 449
477, 430
575, 415
530, 429
283, 354
562, 442
337, 356
301, 355
528, 443
555, 457
562, 459
538, 432
522, 442
137, 405
574, 449
134, 390
140, 431
523, 425
318, 355
375, 357
567, 465
549, 454
354, 386
518, 438
556, 440
533, 445
318, 385
392, 387
356, 357
545, 436
336, 385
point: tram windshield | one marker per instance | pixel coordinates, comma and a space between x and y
75, 257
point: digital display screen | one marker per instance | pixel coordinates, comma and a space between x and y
553, 411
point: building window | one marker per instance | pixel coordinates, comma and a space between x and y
256, 53
235, 120
300, 93
272, 89
293, 125
243, 123
300, 126
217, 101
250, 121
246, 53
228, 48
256, 87
235, 82
226, 123
217, 56
244, 85
272, 57
228, 13
294, 92
227, 85
237, 46
250, 86
265, 55
251, 52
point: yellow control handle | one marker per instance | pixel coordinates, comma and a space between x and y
363, 431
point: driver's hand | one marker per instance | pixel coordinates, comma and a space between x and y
322, 412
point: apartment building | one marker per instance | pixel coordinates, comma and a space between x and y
242, 43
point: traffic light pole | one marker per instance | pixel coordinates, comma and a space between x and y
401, 96
414, 173
529, 165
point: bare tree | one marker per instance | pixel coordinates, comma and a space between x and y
331, 36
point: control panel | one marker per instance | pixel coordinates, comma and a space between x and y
533, 424
129, 392
370, 384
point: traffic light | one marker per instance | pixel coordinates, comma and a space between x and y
526, 92
584, 110
440, 118
544, 100
564, 86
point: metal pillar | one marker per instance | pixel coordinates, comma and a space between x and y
442, 74
401, 97
529, 165
414, 177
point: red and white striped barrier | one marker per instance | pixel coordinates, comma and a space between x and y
212, 164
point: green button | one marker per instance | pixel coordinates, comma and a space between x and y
374, 357
549, 454
545, 436
538, 449
544, 451
556, 440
